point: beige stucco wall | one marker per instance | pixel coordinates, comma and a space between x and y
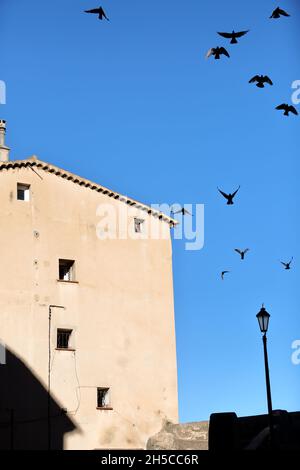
121, 310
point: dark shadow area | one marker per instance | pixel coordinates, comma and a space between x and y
227, 431
24, 422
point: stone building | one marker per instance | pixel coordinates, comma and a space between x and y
86, 312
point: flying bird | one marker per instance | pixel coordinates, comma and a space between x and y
229, 196
182, 211
98, 11
217, 52
233, 36
287, 108
241, 252
261, 80
287, 265
223, 273
278, 12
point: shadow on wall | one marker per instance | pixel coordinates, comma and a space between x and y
24, 420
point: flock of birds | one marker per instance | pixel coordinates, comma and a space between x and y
229, 197
259, 80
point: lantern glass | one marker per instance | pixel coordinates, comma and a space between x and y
263, 320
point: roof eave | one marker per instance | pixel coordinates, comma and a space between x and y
35, 162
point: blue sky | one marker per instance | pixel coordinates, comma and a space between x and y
133, 104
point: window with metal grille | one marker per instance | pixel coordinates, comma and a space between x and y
103, 398
66, 270
138, 225
63, 338
23, 192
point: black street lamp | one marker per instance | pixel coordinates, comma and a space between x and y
263, 320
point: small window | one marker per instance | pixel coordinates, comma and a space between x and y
23, 192
103, 397
63, 339
66, 270
138, 224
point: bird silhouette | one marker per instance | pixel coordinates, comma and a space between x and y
98, 11
229, 196
287, 108
287, 265
217, 52
233, 36
261, 80
278, 12
182, 211
241, 252
223, 273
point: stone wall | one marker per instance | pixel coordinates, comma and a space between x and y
188, 436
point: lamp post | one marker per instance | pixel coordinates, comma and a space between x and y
263, 318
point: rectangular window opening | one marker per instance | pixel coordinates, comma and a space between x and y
138, 225
23, 192
63, 338
103, 397
66, 270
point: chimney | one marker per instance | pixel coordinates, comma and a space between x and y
4, 151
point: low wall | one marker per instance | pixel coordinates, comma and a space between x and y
188, 436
